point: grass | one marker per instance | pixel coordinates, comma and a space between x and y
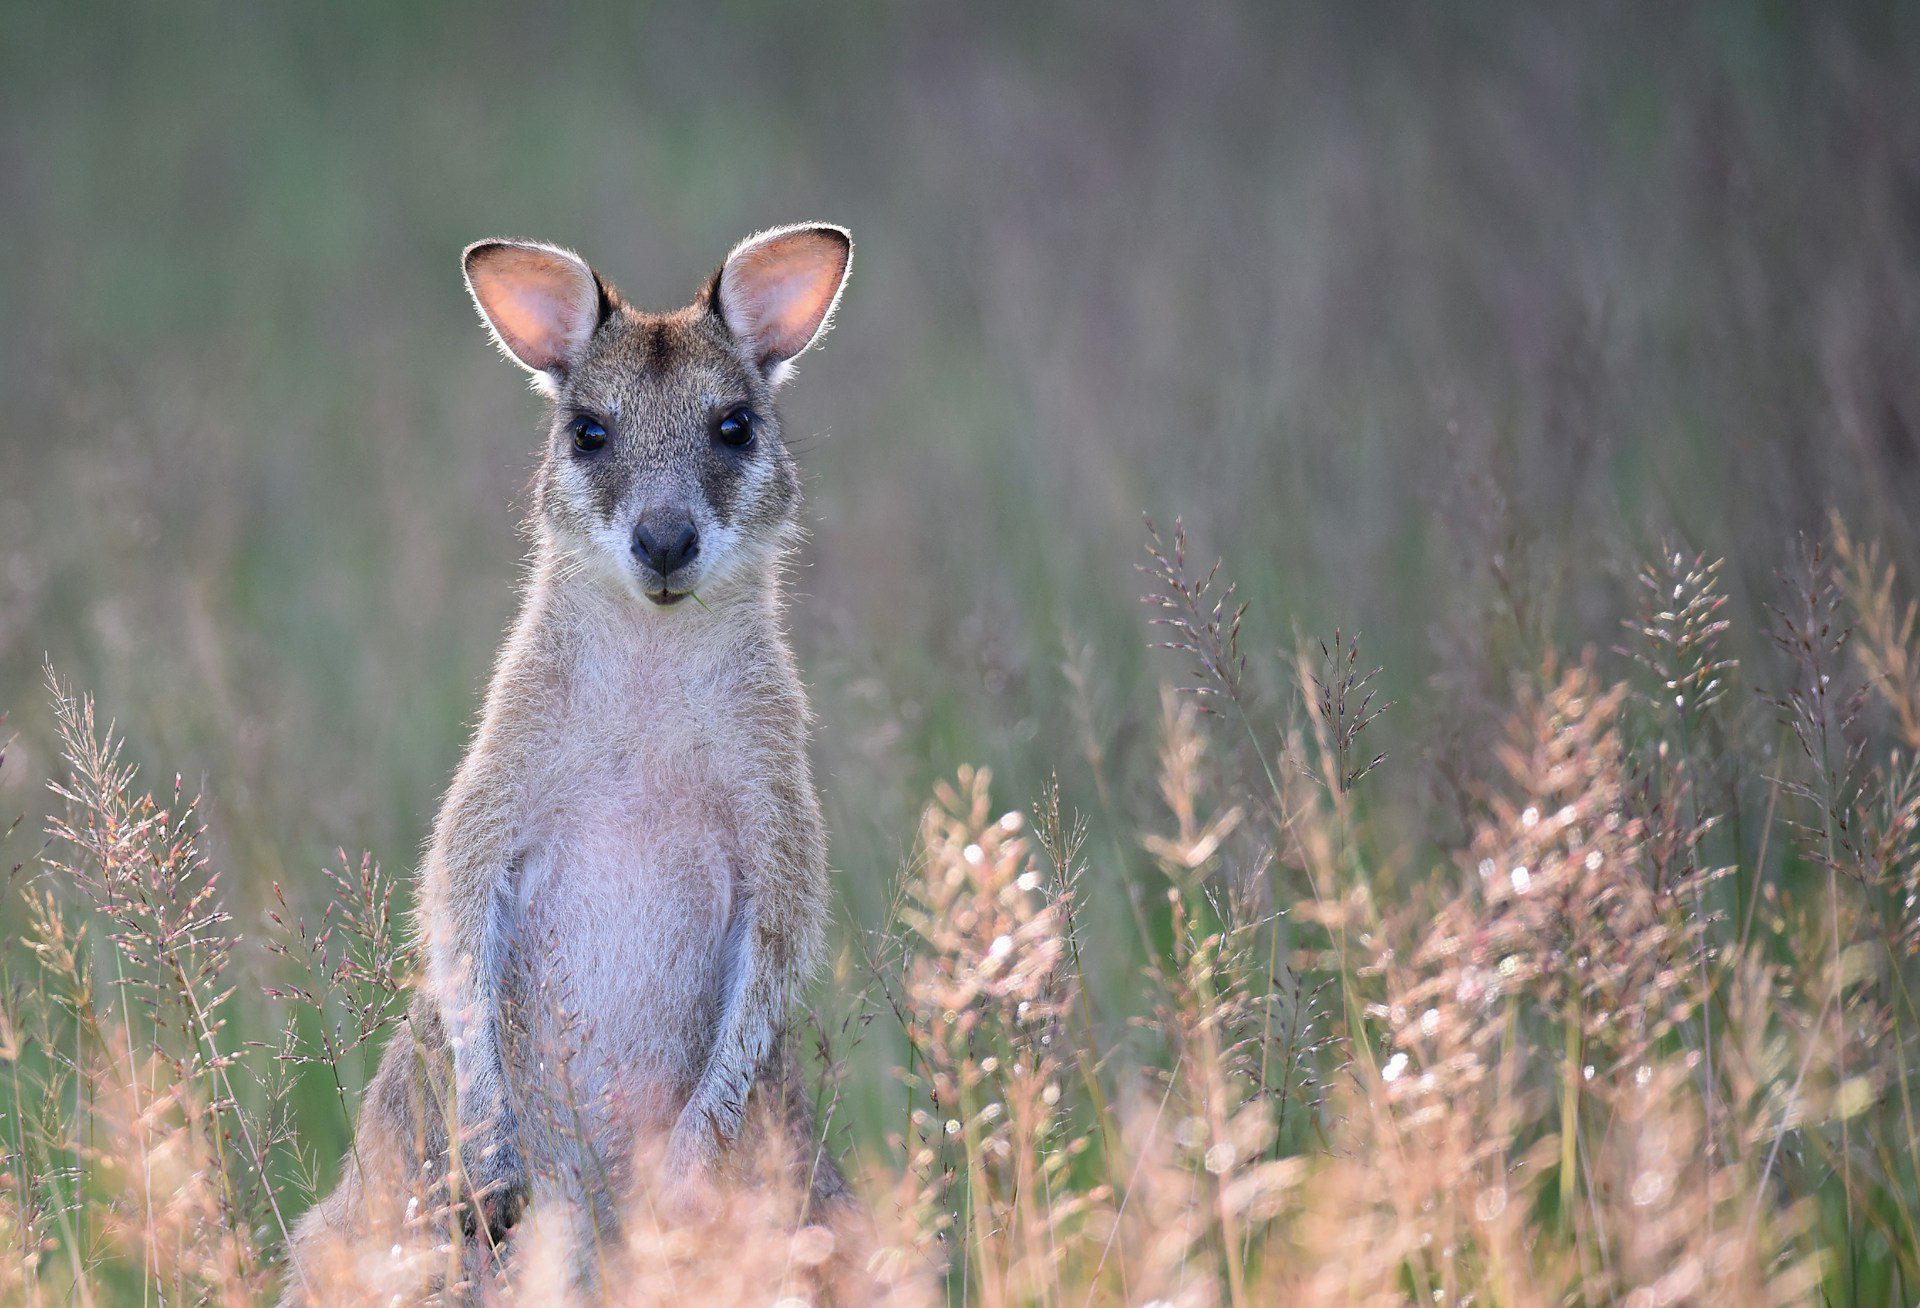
1611, 1049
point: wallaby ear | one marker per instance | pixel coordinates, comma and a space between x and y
777, 290
540, 302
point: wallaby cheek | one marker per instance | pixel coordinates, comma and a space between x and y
772, 500
574, 510
721, 482
762, 493
604, 484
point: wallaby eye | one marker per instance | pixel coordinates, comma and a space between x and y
588, 435
736, 429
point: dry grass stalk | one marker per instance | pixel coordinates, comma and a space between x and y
986, 1003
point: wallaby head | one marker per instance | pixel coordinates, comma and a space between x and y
665, 473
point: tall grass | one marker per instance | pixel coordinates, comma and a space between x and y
1609, 1050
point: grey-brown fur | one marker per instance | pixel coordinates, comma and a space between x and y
626, 887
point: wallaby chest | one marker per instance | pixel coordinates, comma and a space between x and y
631, 878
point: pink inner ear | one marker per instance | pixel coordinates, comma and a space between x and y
542, 303
777, 294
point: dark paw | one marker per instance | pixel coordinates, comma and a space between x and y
495, 1211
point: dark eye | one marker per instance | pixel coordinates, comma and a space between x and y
736, 429
588, 435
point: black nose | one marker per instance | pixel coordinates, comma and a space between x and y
665, 543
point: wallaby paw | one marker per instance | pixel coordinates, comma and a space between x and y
496, 1191
693, 1149
689, 1169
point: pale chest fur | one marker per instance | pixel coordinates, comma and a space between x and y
636, 858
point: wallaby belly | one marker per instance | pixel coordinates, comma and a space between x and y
625, 908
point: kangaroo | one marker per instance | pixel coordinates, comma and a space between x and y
626, 886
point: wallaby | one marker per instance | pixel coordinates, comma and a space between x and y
626, 887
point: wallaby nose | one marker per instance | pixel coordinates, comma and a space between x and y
665, 543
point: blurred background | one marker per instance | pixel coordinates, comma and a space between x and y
1435, 321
